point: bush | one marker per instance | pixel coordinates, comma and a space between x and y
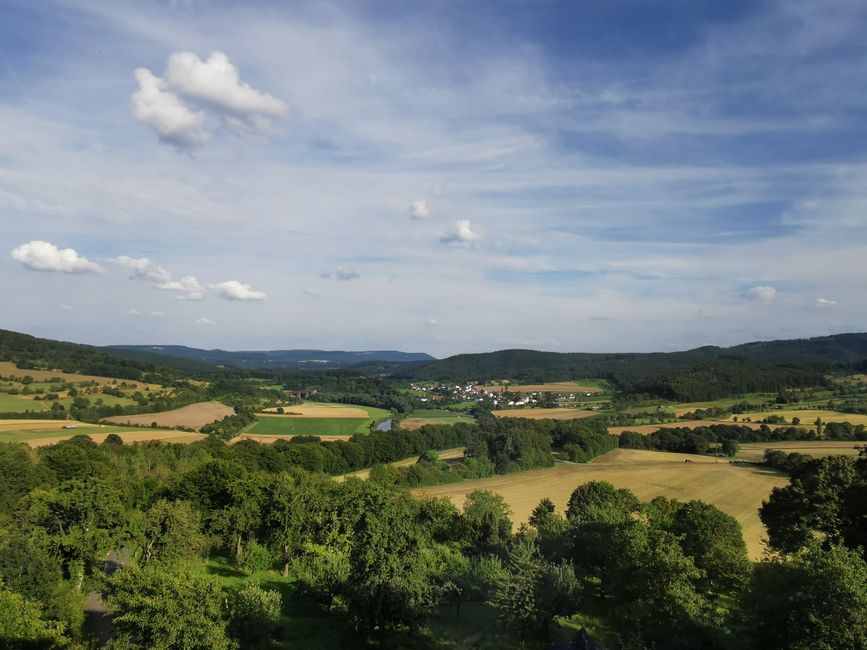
256, 558
255, 614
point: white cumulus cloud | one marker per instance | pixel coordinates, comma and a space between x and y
173, 121
194, 97
158, 314
761, 293
187, 288
205, 321
44, 256
419, 210
144, 269
234, 290
217, 84
67, 308
825, 303
463, 233
133, 312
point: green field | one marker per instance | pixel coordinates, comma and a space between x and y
309, 426
23, 435
19, 404
318, 426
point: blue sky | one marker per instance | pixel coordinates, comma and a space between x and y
445, 176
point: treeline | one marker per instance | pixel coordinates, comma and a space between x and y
371, 565
701, 440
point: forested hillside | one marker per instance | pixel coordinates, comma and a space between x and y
703, 373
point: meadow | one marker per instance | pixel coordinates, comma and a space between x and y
735, 489
680, 424
317, 419
421, 417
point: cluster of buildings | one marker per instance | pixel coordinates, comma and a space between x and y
472, 392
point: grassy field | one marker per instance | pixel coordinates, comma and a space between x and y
735, 489
318, 419
38, 433
445, 454
755, 451
278, 426
192, 415
20, 403
808, 416
545, 414
421, 417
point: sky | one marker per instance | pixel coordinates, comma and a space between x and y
448, 176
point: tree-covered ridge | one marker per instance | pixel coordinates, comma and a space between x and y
701, 374
30, 352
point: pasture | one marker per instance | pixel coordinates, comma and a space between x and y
545, 414
755, 451
317, 419
193, 415
735, 489
445, 454
289, 426
38, 433
421, 417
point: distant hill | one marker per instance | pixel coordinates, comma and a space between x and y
32, 352
703, 373
289, 359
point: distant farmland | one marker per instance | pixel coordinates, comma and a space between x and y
545, 414
756, 450
38, 433
737, 490
192, 415
315, 419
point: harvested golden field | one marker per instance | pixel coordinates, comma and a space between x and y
38, 433
192, 415
445, 454
545, 414
808, 416
317, 411
550, 387
735, 489
8, 369
681, 424
269, 440
756, 450
28, 425
144, 435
